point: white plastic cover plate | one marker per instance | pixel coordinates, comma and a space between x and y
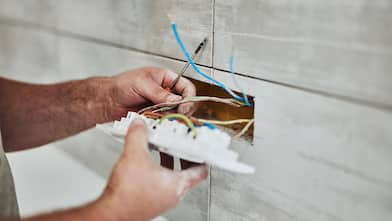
210, 146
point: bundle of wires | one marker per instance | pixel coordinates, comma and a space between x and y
192, 123
171, 105
246, 100
197, 69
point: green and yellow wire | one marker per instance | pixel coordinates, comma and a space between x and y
184, 118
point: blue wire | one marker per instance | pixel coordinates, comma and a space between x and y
209, 125
194, 66
246, 100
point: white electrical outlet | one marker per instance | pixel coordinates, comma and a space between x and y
210, 145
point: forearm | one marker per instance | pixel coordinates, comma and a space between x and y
77, 214
33, 115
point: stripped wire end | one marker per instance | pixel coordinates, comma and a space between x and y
170, 19
197, 69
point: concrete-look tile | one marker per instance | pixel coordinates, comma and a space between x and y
140, 24
47, 179
78, 59
37, 11
341, 48
28, 55
93, 149
316, 158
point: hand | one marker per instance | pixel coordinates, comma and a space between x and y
139, 189
133, 90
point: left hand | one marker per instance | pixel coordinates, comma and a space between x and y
133, 90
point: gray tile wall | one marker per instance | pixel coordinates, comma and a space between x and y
319, 71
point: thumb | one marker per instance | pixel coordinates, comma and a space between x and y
190, 177
136, 140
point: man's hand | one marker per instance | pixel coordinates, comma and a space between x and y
135, 89
64, 109
139, 189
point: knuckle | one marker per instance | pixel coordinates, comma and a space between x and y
163, 95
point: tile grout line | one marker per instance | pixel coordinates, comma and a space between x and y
61, 33
213, 74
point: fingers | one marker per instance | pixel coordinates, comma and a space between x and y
154, 92
136, 141
186, 88
183, 87
190, 177
162, 79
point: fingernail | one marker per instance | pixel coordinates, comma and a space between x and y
174, 97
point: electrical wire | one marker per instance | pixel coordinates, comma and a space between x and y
246, 128
246, 100
152, 115
194, 66
192, 122
228, 122
184, 118
209, 125
163, 109
228, 101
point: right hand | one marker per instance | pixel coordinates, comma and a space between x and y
140, 189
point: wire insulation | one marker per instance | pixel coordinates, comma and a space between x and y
218, 122
197, 69
246, 100
228, 101
246, 128
184, 118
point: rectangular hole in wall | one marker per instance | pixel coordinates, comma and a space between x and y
223, 112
